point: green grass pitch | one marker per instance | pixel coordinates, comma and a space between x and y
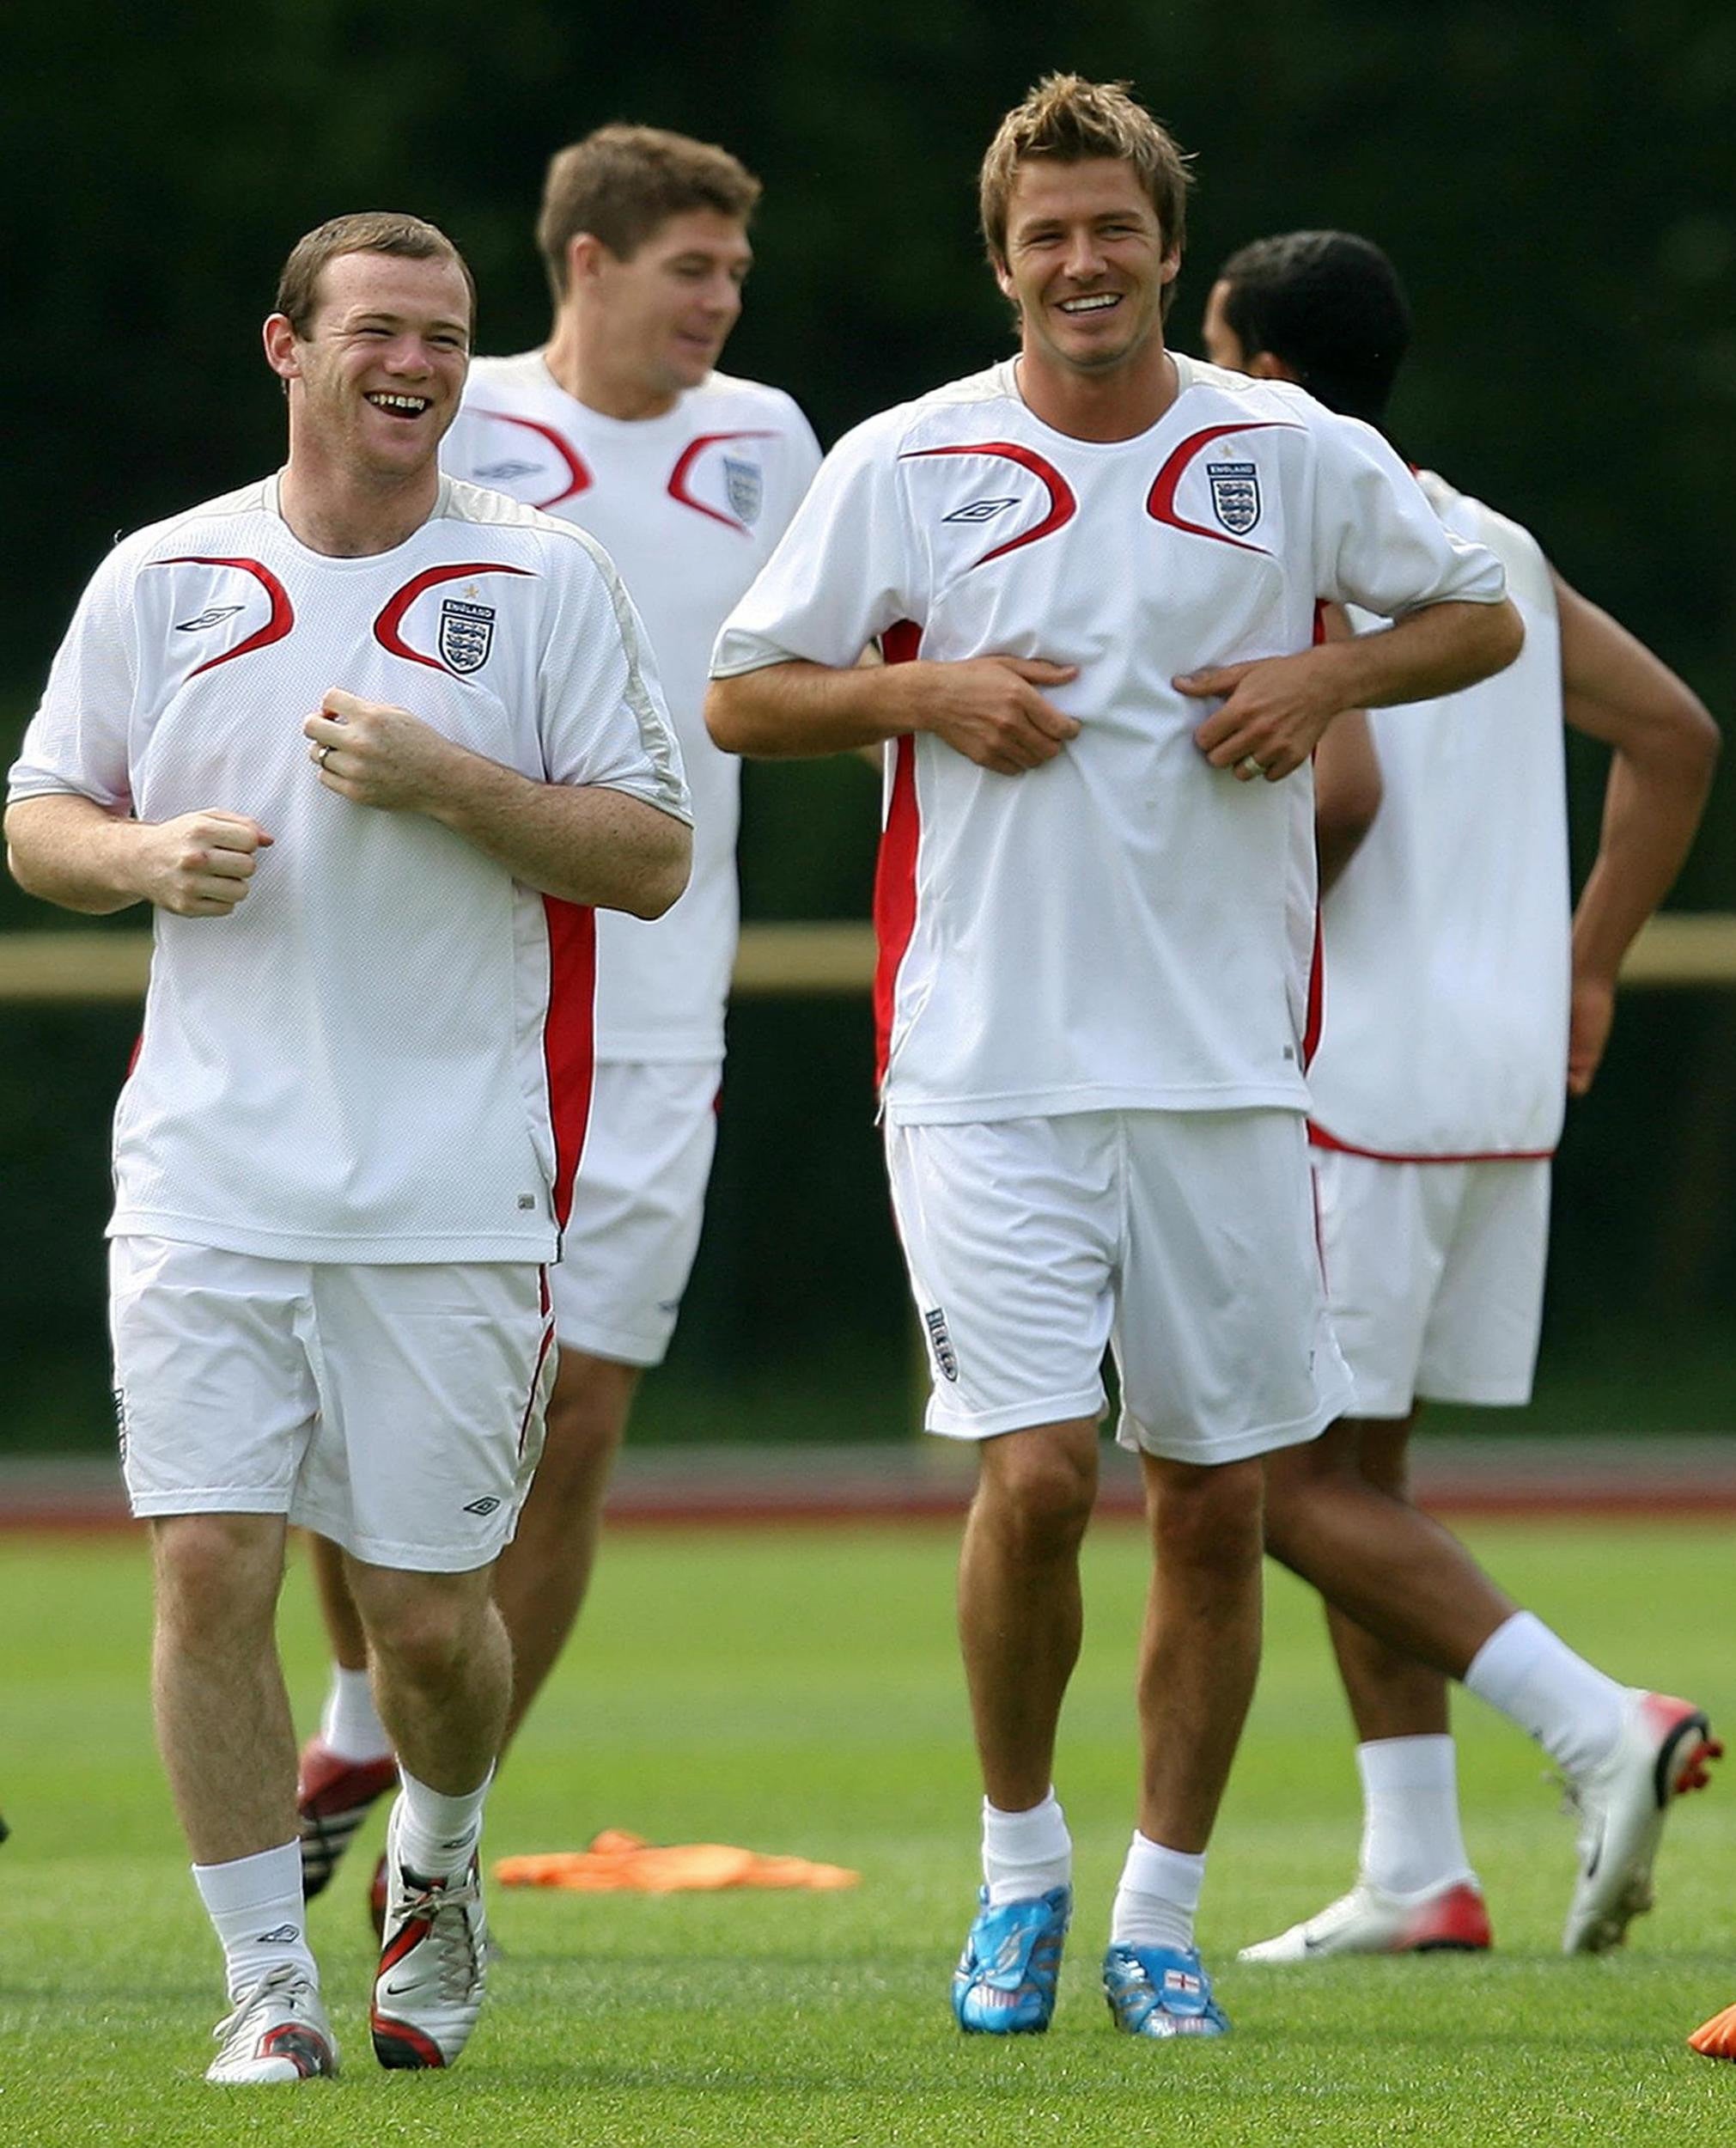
797, 1690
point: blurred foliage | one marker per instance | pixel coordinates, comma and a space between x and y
1557, 183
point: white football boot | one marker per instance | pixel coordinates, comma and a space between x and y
1663, 1749
1450, 1919
428, 1990
278, 2032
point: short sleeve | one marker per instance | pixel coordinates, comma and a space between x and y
602, 715
77, 739
1379, 543
842, 573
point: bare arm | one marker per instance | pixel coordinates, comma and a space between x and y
989, 708
1665, 746
1347, 776
70, 850
580, 843
1276, 711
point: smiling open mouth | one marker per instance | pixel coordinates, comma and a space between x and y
400, 405
1098, 303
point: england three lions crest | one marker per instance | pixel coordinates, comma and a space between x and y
467, 635
1235, 495
744, 487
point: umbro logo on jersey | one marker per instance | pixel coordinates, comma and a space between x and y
467, 635
482, 1506
213, 615
1235, 495
979, 512
504, 473
942, 1343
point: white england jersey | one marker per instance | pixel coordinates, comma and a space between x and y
1447, 937
383, 1053
688, 506
1124, 927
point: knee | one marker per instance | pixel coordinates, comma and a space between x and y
421, 1629
1210, 1519
217, 1572
1041, 1498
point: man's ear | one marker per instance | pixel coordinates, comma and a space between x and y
586, 255
1266, 365
281, 353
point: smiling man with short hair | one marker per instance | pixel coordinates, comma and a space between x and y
1095, 906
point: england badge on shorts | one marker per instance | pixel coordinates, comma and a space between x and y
1235, 495
467, 635
744, 485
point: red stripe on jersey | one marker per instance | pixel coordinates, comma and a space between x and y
1322, 1139
895, 871
568, 1054
386, 625
578, 476
1317, 961
1160, 502
283, 611
689, 456
1063, 505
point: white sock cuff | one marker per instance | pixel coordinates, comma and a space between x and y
349, 1725
1390, 1766
1173, 1875
242, 1883
1027, 1838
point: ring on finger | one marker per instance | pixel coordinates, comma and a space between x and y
1251, 764
321, 753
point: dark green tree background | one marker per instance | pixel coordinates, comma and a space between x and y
1557, 183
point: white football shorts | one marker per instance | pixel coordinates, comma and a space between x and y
1183, 1241
638, 1201
397, 1410
1434, 1276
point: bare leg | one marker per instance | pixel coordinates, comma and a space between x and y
1373, 1557
1019, 1614
223, 1716
1392, 1695
336, 1606
1201, 1650
442, 1670
543, 1575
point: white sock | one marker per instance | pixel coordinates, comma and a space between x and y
1411, 1834
255, 1907
1025, 1854
1572, 1709
1158, 1898
436, 1836
350, 1726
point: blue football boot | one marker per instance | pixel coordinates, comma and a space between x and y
1004, 1985
1161, 1991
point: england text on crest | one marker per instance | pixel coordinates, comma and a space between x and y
1235, 495
467, 635
744, 484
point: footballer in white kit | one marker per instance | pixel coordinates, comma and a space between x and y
1460, 1009
373, 744
1095, 914
688, 505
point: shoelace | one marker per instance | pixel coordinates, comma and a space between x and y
273, 1983
458, 1957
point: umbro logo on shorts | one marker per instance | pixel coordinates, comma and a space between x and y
942, 1342
482, 1506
